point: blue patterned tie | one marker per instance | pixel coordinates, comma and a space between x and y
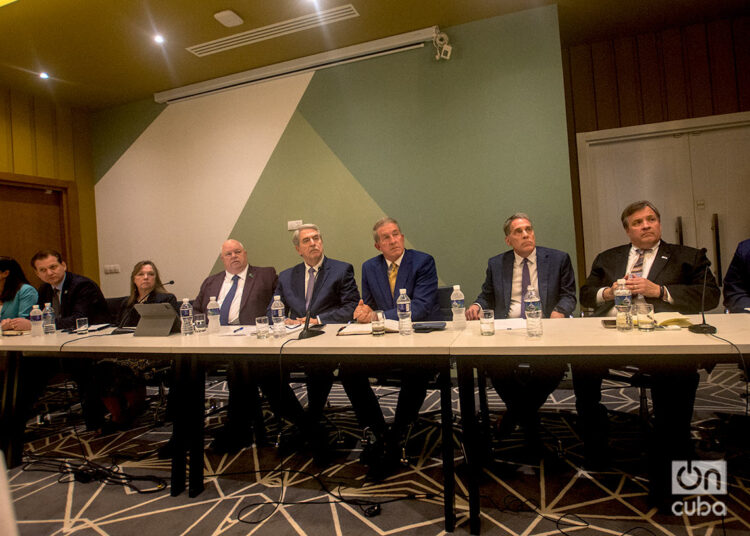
525, 282
310, 286
227, 303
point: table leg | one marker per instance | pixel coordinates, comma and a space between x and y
449, 478
197, 418
470, 439
181, 419
11, 416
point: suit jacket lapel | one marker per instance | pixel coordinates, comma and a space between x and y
319, 280
660, 261
508, 260
541, 275
249, 283
403, 274
298, 282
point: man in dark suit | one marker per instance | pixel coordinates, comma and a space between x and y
242, 291
670, 277
523, 387
737, 281
326, 289
72, 296
382, 277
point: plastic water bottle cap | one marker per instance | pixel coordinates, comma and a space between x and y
277, 297
47, 304
212, 298
185, 300
402, 291
456, 287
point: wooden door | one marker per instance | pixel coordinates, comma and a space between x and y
31, 218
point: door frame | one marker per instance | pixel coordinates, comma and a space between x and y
71, 224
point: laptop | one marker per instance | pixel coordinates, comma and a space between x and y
8, 525
157, 320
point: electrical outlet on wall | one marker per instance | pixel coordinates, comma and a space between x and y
292, 225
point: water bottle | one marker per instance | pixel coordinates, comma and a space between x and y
623, 305
212, 314
37, 328
533, 312
457, 306
277, 315
48, 319
403, 307
186, 317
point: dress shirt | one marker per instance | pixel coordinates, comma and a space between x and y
234, 309
648, 259
307, 272
516, 293
397, 262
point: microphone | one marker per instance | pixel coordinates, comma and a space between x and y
703, 327
168, 283
308, 332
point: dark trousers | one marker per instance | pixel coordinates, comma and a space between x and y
524, 388
355, 379
673, 390
244, 410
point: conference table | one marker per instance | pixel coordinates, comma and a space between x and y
429, 351
579, 340
567, 340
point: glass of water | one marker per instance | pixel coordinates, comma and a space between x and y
261, 327
645, 316
487, 322
378, 323
82, 325
199, 323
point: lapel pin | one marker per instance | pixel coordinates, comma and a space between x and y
664, 257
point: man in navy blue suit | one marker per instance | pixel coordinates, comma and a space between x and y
737, 281
524, 387
326, 289
382, 277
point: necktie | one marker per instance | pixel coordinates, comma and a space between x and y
227, 303
56, 302
310, 286
392, 273
525, 282
637, 269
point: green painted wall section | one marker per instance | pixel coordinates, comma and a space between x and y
451, 149
304, 180
115, 129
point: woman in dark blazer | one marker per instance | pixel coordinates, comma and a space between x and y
145, 287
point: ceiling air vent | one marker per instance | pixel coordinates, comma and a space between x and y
287, 27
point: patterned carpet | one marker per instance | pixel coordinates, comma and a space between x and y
260, 491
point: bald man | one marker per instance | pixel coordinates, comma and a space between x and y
250, 289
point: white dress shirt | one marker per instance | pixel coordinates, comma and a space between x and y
516, 290
234, 309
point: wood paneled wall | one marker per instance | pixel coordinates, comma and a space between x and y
43, 143
676, 73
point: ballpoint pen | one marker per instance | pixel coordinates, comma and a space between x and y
238, 329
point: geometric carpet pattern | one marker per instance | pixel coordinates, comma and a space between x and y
262, 490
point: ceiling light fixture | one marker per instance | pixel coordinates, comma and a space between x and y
158, 38
362, 51
43, 76
6, 2
228, 18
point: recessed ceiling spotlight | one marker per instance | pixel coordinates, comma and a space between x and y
228, 18
43, 76
158, 38
6, 2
